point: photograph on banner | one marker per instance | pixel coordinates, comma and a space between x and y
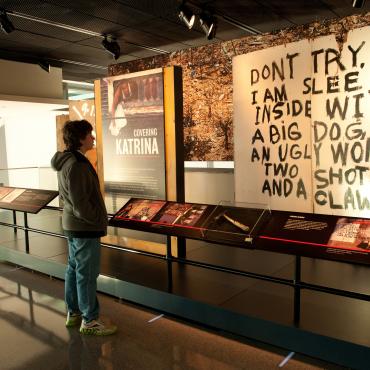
186, 214
133, 134
351, 233
140, 209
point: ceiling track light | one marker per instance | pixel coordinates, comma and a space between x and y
111, 46
187, 16
358, 3
208, 24
234, 22
5, 23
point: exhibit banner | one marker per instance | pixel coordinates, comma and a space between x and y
133, 134
301, 126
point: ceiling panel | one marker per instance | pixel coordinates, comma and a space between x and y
66, 16
47, 31
126, 47
344, 7
113, 11
20, 39
146, 38
82, 53
296, 10
230, 34
141, 23
81, 73
157, 8
168, 30
22, 6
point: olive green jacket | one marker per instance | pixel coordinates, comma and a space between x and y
84, 212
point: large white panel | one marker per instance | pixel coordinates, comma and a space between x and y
341, 127
30, 139
272, 127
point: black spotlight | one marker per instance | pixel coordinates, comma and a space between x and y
208, 24
358, 3
187, 16
111, 46
44, 65
5, 23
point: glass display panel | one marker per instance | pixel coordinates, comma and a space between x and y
235, 222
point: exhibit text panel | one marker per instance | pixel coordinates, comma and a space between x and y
26, 200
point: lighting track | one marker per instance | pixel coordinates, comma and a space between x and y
79, 30
83, 64
55, 24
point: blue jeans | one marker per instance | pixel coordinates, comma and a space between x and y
80, 278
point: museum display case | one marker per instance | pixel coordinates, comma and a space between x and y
315, 235
225, 223
235, 223
254, 226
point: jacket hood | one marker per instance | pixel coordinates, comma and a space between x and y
59, 159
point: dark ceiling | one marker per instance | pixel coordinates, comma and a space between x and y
142, 27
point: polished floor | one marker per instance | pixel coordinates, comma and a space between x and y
33, 336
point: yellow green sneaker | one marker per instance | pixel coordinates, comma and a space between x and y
95, 327
73, 319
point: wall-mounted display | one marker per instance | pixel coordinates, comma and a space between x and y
302, 138
133, 146
26, 200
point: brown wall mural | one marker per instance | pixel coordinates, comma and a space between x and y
207, 81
